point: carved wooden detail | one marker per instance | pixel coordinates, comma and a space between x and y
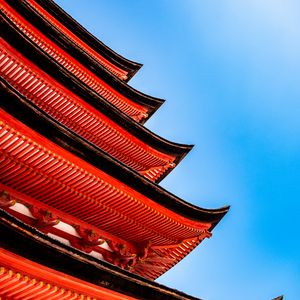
88, 240
6, 200
44, 218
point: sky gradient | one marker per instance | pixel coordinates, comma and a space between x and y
229, 71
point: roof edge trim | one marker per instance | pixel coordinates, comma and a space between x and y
69, 22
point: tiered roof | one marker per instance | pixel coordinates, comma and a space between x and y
129, 142
114, 62
42, 172
90, 70
75, 163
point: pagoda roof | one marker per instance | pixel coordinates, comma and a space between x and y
69, 174
23, 250
45, 63
64, 18
32, 116
43, 25
56, 172
136, 111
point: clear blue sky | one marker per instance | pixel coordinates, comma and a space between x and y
230, 72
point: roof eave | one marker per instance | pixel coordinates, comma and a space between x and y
35, 118
152, 103
29, 243
56, 11
49, 66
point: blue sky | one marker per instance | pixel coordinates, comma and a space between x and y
229, 71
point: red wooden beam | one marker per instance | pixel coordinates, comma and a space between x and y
24, 279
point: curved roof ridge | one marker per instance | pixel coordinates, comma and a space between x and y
152, 103
69, 22
51, 67
45, 125
16, 234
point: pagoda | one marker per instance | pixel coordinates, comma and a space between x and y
81, 213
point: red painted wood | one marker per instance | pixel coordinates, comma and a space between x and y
137, 112
24, 279
108, 65
21, 137
63, 217
82, 118
36, 167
